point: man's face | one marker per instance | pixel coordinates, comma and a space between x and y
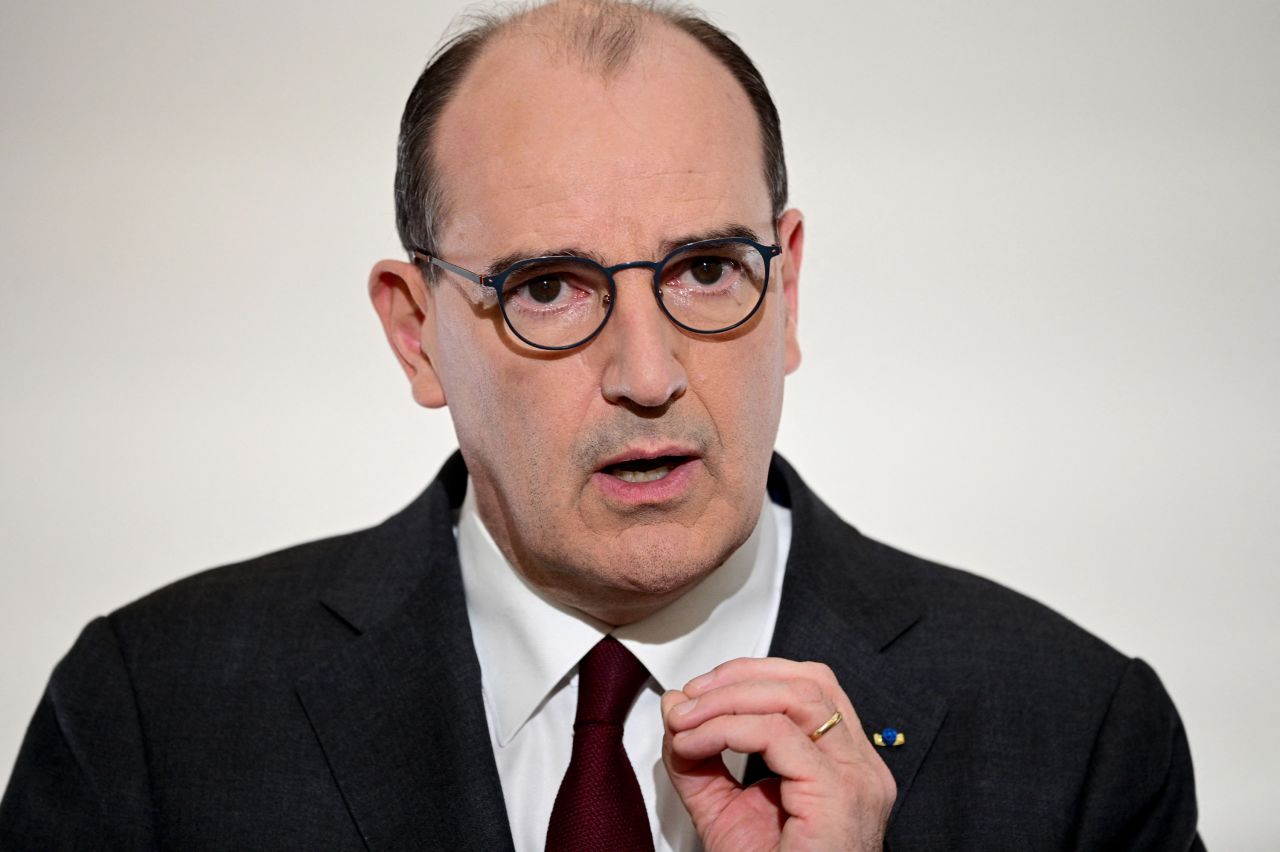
538, 155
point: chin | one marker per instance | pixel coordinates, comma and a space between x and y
662, 564
622, 575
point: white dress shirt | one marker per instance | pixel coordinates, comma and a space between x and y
529, 647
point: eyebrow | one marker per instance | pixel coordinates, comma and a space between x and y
722, 233
666, 247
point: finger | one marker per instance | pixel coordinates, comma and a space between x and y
704, 784
672, 698
682, 764
763, 668
802, 701
786, 749
776, 668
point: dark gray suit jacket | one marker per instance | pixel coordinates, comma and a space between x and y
328, 697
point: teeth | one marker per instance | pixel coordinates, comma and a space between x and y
643, 475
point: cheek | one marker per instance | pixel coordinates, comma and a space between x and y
742, 386
474, 391
514, 414
758, 414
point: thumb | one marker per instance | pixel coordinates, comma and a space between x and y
705, 786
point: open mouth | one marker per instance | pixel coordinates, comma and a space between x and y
645, 470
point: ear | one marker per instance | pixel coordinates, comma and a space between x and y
403, 300
791, 238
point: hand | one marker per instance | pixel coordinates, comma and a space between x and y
835, 793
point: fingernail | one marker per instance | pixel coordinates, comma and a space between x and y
700, 682
684, 707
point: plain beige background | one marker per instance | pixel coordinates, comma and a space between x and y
1039, 311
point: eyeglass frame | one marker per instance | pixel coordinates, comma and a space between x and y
497, 279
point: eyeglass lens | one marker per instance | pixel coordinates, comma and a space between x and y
708, 287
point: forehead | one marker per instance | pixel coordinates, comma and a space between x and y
536, 150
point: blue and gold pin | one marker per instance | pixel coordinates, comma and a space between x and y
889, 737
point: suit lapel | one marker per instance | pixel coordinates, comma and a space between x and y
839, 606
399, 713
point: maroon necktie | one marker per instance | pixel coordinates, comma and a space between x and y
599, 805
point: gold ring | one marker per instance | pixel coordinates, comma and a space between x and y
826, 726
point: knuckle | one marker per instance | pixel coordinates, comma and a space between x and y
874, 791
822, 673
808, 692
728, 670
888, 784
851, 778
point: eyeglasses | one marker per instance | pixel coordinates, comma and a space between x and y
562, 302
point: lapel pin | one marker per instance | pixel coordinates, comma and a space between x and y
889, 737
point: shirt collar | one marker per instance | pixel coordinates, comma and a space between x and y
528, 645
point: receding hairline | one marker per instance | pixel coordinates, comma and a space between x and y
602, 37
601, 34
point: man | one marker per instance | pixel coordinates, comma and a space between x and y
615, 592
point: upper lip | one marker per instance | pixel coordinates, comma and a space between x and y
637, 454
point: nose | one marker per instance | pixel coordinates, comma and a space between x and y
643, 347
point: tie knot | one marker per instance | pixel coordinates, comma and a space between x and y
609, 678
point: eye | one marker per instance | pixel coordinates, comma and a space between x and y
705, 274
549, 288
707, 270
544, 290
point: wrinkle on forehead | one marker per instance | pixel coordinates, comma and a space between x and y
617, 225
526, 185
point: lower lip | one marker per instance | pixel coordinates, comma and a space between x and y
671, 487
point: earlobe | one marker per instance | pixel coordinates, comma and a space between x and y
791, 235
402, 300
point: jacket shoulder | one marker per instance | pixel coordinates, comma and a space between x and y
981, 627
272, 583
